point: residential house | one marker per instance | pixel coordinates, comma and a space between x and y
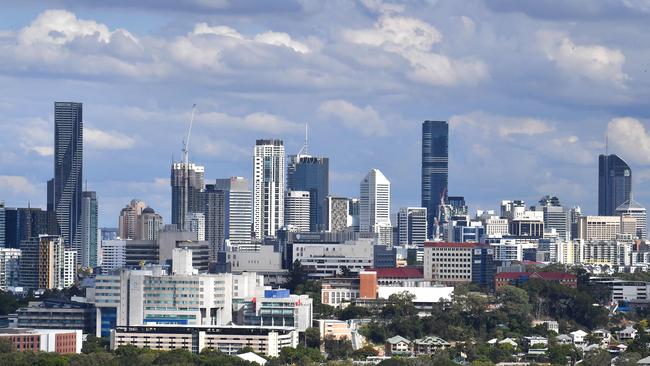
626, 334
398, 345
429, 345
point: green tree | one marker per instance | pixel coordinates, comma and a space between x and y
627, 359
312, 337
364, 352
297, 275
6, 345
337, 349
599, 357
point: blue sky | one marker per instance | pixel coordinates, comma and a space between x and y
530, 90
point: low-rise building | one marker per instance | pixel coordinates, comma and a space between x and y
57, 314
336, 291
63, 341
459, 263
429, 345
516, 278
227, 339
398, 345
536, 345
626, 334
275, 308
398, 276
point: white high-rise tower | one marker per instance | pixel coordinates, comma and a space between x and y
374, 206
268, 187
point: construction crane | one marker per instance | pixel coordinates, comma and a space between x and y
438, 219
186, 162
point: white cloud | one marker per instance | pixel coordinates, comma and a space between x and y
365, 120
34, 135
594, 62
280, 39
222, 149
628, 137
412, 39
107, 140
501, 126
16, 184
382, 7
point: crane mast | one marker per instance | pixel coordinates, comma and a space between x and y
186, 175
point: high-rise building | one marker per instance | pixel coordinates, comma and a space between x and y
614, 184
374, 206
148, 225
46, 264
599, 228
435, 167
412, 225
555, 216
52, 224
127, 223
2, 224
9, 268
195, 223
574, 216
89, 233
457, 205
68, 167
354, 213
22, 224
296, 210
268, 187
311, 174
239, 209
186, 202
631, 208
215, 211
337, 213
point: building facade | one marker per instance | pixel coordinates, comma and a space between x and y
337, 213
89, 234
631, 208
435, 168
311, 174
457, 263
412, 225
374, 206
614, 183
297, 210
186, 200
268, 187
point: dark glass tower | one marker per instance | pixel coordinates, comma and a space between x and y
190, 202
311, 173
614, 184
68, 165
435, 167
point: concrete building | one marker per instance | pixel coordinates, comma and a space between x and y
112, 254
275, 308
310, 174
493, 224
297, 210
555, 216
187, 182
127, 222
412, 226
268, 187
337, 214
226, 339
195, 223
238, 212
46, 264
9, 268
336, 291
267, 261
62, 341
599, 228
631, 208
148, 225
2, 224
58, 314
329, 259
611, 253
457, 263
374, 206
151, 297
89, 233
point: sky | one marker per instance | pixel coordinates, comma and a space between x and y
532, 90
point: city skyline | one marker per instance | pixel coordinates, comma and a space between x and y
527, 144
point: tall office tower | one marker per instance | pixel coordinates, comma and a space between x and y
631, 208
46, 264
574, 215
555, 216
215, 212
9, 268
190, 201
148, 225
52, 225
614, 184
127, 223
374, 206
89, 234
412, 225
599, 228
268, 187
2, 224
68, 167
296, 210
311, 174
354, 213
23, 223
435, 167
195, 223
239, 209
337, 212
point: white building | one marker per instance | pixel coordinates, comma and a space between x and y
112, 254
328, 259
268, 187
512, 249
598, 228
9, 268
195, 223
374, 205
633, 209
239, 209
412, 225
296, 210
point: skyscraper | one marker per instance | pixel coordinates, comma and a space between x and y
148, 225
374, 206
89, 233
555, 216
68, 166
337, 213
614, 183
311, 174
268, 187
22, 224
238, 211
412, 225
2, 224
182, 202
296, 209
127, 223
632, 208
435, 167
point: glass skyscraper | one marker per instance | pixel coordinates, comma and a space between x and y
311, 174
435, 167
184, 203
89, 229
614, 184
68, 165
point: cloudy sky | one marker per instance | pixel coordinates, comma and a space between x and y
531, 89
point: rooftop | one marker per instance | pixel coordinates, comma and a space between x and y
435, 244
401, 272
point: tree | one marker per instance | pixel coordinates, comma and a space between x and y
297, 275
93, 345
627, 359
597, 358
364, 352
353, 312
312, 337
6, 345
337, 349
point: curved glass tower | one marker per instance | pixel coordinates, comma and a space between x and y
614, 184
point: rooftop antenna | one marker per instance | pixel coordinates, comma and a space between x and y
305, 148
186, 161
